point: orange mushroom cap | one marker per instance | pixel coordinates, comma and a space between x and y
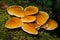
16, 11
34, 25
13, 22
50, 25
30, 10
28, 19
41, 18
27, 28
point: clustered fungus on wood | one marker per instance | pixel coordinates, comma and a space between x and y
29, 19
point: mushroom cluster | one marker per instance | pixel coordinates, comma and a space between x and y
30, 19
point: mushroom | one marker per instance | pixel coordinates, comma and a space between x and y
13, 22
50, 25
42, 17
31, 30
16, 11
34, 25
28, 19
30, 10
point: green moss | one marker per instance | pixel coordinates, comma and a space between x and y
18, 34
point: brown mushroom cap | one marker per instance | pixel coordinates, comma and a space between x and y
30, 10
13, 22
50, 25
16, 11
28, 19
41, 18
27, 28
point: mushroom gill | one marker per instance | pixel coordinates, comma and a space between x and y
27, 28
30, 10
28, 19
13, 22
34, 25
50, 25
41, 18
16, 11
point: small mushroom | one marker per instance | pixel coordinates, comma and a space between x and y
28, 19
34, 25
41, 18
30, 10
31, 30
16, 11
50, 25
13, 22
